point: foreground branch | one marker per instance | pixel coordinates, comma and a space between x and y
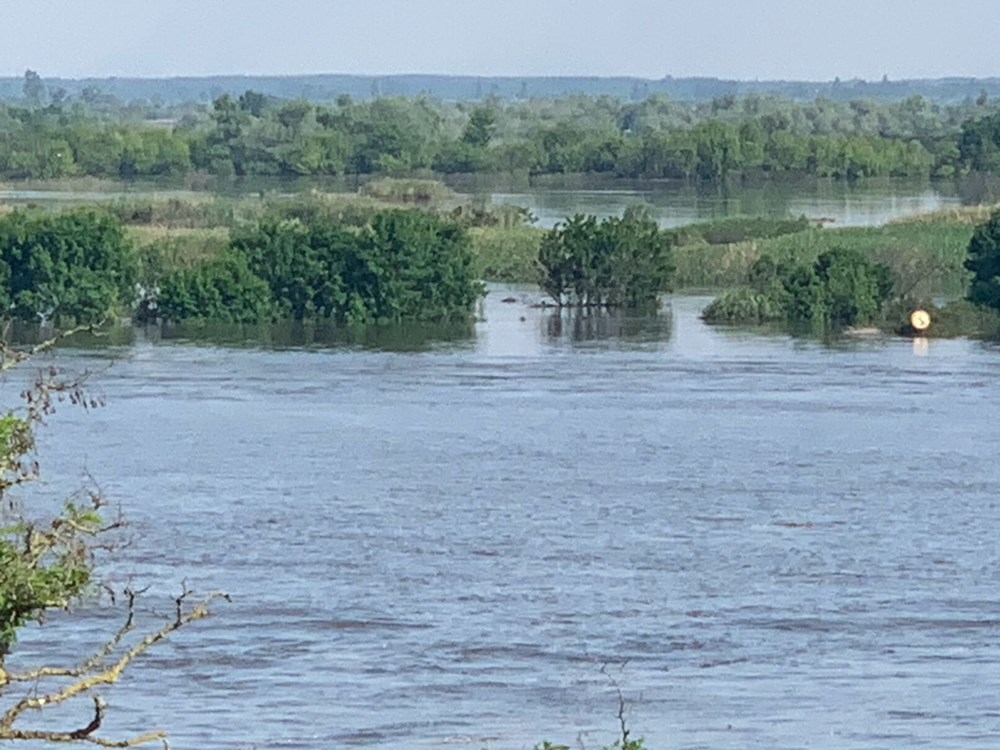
87, 680
88, 666
11, 357
85, 734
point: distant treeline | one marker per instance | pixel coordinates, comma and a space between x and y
327, 87
52, 135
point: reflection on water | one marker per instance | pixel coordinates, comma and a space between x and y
511, 320
409, 337
519, 321
587, 325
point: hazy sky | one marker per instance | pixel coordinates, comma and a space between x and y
792, 39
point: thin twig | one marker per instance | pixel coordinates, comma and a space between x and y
108, 676
11, 357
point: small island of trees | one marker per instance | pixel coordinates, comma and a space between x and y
618, 262
840, 288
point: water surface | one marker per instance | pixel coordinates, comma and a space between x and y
766, 542
838, 203
835, 203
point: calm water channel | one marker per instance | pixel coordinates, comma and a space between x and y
673, 203
765, 542
841, 204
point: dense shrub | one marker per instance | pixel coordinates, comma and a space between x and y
65, 267
224, 290
840, 288
984, 262
402, 266
623, 261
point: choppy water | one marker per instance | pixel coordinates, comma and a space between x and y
766, 542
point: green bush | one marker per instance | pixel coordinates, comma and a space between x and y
840, 288
744, 306
75, 266
984, 263
222, 290
618, 262
404, 265
422, 268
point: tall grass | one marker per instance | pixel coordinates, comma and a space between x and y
507, 254
188, 213
397, 190
925, 255
738, 229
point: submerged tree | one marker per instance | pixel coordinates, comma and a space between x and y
48, 565
618, 262
75, 266
840, 288
403, 266
984, 262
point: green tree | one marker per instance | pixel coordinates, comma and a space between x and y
618, 262
299, 262
840, 288
481, 127
852, 289
222, 290
718, 148
401, 266
979, 143
422, 267
34, 89
71, 266
984, 263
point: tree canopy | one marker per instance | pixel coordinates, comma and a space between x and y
400, 266
618, 262
840, 288
984, 263
50, 134
64, 267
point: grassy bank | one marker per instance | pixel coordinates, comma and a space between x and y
926, 255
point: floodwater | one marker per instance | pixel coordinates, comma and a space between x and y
761, 541
835, 203
673, 203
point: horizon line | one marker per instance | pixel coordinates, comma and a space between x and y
506, 76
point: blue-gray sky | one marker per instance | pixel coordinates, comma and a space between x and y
747, 39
